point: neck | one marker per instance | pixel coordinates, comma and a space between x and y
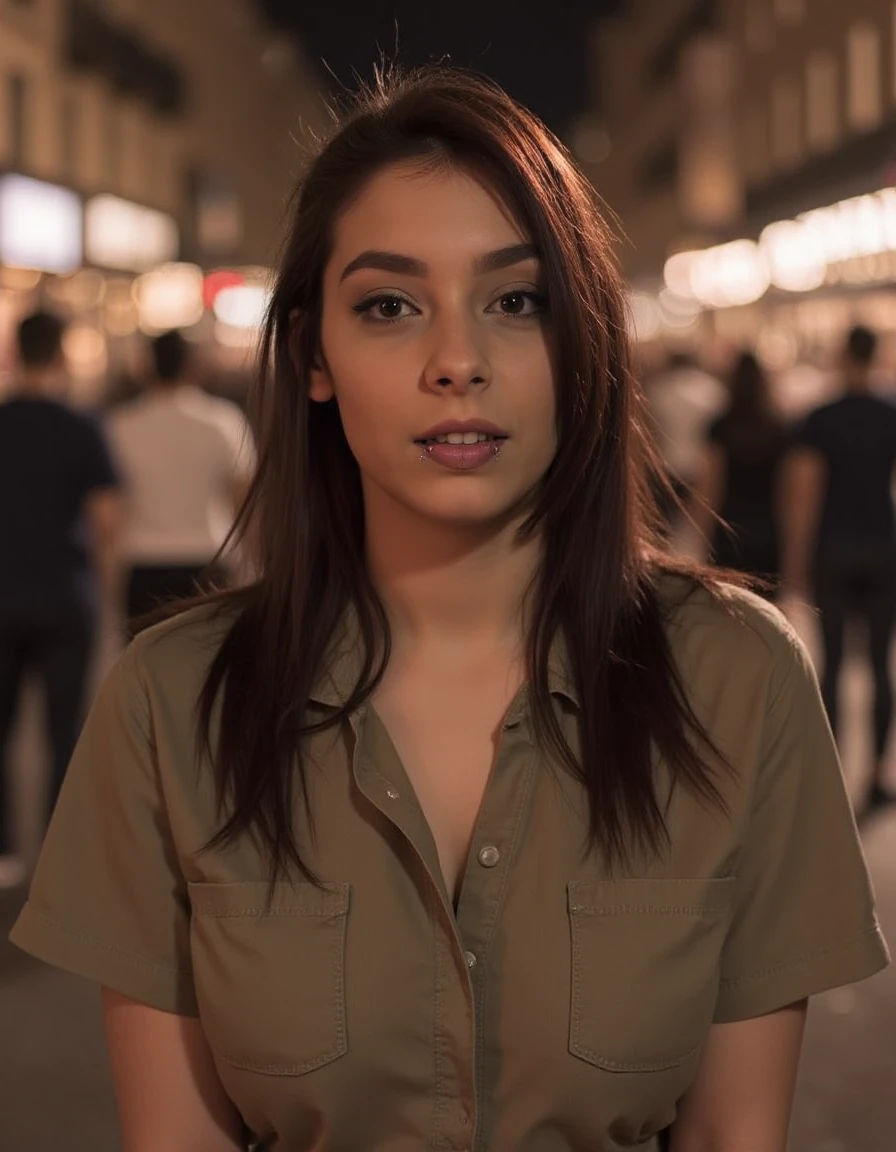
451, 584
39, 382
858, 380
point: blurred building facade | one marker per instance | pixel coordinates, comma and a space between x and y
771, 122
667, 94
175, 128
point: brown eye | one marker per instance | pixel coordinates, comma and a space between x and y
390, 308
384, 309
522, 305
514, 303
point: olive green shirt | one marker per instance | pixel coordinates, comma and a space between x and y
559, 1007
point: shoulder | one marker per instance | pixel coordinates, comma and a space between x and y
171, 660
824, 412
223, 418
886, 403
123, 417
727, 635
82, 427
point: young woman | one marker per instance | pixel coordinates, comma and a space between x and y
491, 829
742, 476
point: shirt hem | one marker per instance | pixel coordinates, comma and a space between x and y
747, 997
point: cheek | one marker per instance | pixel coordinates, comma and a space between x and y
370, 406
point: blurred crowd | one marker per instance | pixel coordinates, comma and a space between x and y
105, 516
802, 507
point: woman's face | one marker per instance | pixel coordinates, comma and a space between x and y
435, 331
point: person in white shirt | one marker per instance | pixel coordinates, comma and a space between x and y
683, 400
185, 458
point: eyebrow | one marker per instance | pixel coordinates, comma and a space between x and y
384, 261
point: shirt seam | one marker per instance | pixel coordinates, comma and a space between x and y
775, 969
103, 946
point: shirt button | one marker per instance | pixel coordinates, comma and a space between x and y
489, 856
391, 793
471, 960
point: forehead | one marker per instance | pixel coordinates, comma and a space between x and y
411, 208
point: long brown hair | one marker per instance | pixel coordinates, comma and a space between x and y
305, 514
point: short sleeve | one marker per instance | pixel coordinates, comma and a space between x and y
804, 917
98, 468
810, 432
108, 900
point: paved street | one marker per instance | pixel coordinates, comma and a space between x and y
55, 1091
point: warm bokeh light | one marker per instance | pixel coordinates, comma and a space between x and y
645, 314
40, 225
169, 297
794, 263
80, 291
126, 236
242, 306
730, 275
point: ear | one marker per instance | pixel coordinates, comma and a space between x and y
321, 385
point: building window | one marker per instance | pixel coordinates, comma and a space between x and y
113, 146
864, 91
755, 144
894, 51
757, 28
790, 11
822, 101
787, 134
68, 137
17, 111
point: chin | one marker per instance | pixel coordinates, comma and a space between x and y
471, 514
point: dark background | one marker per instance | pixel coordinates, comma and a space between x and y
538, 52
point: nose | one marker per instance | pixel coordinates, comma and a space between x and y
457, 357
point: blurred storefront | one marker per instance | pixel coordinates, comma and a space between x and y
772, 222
145, 164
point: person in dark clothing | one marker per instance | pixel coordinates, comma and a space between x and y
58, 514
842, 532
744, 455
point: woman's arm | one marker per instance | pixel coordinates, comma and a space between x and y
741, 1098
168, 1091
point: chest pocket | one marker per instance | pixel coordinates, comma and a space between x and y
270, 981
645, 969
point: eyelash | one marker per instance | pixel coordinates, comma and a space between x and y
366, 307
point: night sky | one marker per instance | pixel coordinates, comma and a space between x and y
536, 51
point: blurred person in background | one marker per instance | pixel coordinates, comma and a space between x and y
841, 532
185, 458
682, 400
740, 477
59, 510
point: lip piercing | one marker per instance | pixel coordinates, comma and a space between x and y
426, 453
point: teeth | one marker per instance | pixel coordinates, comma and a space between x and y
462, 438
